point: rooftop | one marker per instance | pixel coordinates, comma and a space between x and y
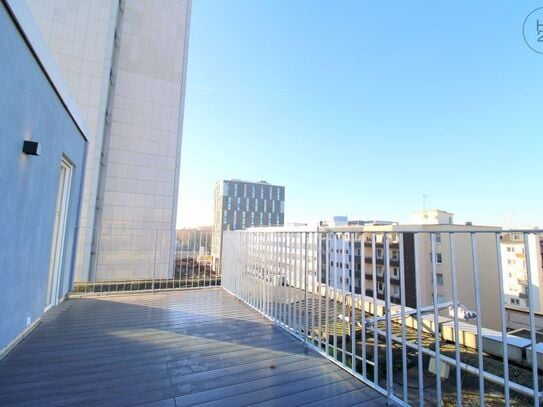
170, 348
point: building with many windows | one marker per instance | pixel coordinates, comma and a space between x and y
515, 261
240, 204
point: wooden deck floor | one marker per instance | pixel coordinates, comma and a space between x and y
176, 348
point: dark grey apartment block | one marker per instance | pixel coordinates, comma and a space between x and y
242, 204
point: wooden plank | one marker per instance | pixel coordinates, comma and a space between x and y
178, 346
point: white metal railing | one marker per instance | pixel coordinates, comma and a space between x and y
129, 259
449, 318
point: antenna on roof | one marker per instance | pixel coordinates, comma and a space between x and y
424, 199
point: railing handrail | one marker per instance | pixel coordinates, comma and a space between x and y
458, 229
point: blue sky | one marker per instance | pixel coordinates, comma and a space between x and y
359, 108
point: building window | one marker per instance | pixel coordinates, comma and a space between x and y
395, 255
511, 261
278, 194
256, 204
225, 218
438, 237
265, 206
261, 218
380, 288
282, 207
225, 190
277, 219
261, 192
271, 188
273, 206
269, 219
229, 204
245, 190
253, 192
396, 272
247, 204
380, 271
234, 221
439, 258
439, 279
239, 203
515, 301
379, 254
252, 218
236, 189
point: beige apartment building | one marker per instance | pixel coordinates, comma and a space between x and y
125, 65
435, 229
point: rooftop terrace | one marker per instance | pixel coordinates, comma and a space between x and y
173, 348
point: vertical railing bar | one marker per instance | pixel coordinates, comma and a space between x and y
273, 274
375, 316
289, 269
404, 322
335, 296
475, 265
319, 279
263, 294
313, 251
300, 273
154, 262
266, 273
206, 256
283, 278
420, 366
98, 233
306, 319
436, 319
363, 301
452, 255
296, 270
181, 262
256, 271
327, 292
260, 293
193, 259
353, 306
343, 301
267, 265
295, 281
390, 373
535, 378
197, 255
187, 253
256, 266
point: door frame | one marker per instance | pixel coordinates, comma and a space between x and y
59, 233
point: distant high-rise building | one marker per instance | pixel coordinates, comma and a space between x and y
242, 204
125, 65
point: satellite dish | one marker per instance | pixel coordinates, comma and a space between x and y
463, 312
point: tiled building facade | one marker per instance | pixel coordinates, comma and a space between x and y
125, 64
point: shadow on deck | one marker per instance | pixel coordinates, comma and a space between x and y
166, 349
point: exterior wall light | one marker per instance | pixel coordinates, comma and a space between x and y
31, 147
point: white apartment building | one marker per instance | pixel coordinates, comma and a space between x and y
515, 260
125, 65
